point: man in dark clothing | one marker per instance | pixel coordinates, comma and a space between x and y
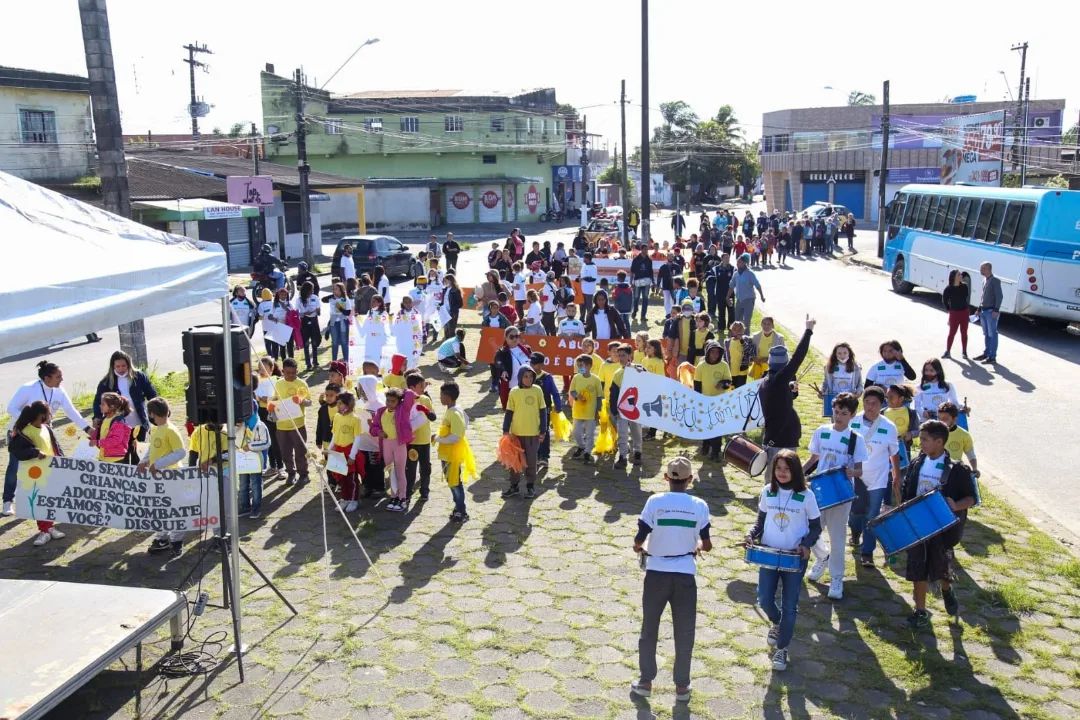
717, 284
776, 394
304, 274
641, 277
265, 262
678, 224
665, 278
451, 249
796, 238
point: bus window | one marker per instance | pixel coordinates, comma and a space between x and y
984, 219
994, 231
973, 215
896, 211
1023, 228
911, 210
950, 213
961, 216
942, 213
928, 221
924, 207
1008, 227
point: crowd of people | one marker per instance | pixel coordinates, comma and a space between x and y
375, 431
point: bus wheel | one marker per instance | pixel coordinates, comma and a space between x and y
899, 285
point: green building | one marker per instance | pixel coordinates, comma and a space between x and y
427, 157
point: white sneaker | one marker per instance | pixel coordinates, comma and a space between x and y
42, 538
774, 633
351, 506
780, 660
56, 534
818, 570
9, 508
836, 589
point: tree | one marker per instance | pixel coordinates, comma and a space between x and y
566, 110
729, 124
1072, 136
236, 129
1058, 181
858, 98
698, 153
749, 166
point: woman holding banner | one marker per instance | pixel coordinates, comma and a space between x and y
47, 389
135, 387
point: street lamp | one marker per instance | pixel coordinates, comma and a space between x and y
369, 41
1007, 86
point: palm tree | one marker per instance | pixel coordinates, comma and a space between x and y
857, 97
728, 123
679, 120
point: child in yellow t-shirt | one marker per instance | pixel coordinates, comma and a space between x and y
419, 450
458, 463
654, 358
344, 434
712, 377
526, 419
396, 377
641, 346
586, 394
960, 444
165, 450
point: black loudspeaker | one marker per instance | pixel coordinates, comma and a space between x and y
207, 392
656, 407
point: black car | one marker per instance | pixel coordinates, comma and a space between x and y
372, 250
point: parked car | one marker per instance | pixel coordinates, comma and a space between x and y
823, 209
372, 250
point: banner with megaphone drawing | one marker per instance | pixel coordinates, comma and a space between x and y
659, 402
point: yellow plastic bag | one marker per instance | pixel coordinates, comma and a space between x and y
460, 461
758, 369
560, 427
511, 454
686, 374
606, 436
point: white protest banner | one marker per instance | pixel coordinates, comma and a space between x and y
336, 463
278, 332
658, 402
408, 333
114, 495
248, 463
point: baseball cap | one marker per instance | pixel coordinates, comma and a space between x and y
679, 470
778, 357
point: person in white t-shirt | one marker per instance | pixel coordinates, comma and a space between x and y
676, 525
571, 327
842, 374
789, 520
348, 269
881, 470
893, 367
520, 286
588, 276
934, 390
547, 303
831, 447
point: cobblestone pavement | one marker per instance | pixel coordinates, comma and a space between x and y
531, 609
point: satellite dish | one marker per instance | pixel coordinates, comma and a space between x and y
199, 109
273, 129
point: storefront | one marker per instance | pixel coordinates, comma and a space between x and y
841, 187
231, 226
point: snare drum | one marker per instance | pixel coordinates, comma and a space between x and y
832, 488
826, 405
745, 454
767, 557
913, 522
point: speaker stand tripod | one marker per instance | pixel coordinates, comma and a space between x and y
222, 542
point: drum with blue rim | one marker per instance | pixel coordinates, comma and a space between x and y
913, 522
767, 557
832, 488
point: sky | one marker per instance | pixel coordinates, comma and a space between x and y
930, 51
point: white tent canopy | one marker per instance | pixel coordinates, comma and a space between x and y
72, 269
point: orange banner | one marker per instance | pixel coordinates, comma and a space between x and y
560, 352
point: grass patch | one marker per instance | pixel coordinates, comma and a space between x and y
1070, 570
1018, 597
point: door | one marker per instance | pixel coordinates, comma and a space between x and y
239, 244
853, 196
459, 204
490, 204
813, 192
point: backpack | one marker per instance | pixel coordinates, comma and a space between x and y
260, 437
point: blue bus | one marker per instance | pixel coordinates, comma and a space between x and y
1030, 236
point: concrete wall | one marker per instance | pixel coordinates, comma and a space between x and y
60, 162
397, 208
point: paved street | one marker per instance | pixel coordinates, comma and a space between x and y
531, 610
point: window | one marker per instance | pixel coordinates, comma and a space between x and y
489, 159
1012, 219
453, 123
1023, 228
782, 143
373, 125
926, 219
498, 124
948, 215
994, 231
911, 210
555, 127
961, 217
38, 126
543, 126
528, 125
973, 216
983, 226
410, 124
333, 126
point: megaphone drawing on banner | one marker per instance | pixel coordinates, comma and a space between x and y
656, 407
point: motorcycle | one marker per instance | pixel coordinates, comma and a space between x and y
274, 281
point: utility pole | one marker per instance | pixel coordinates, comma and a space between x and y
303, 170
193, 48
584, 159
625, 168
1024, 137
255, 148
112, 169
1019, 112
646, 180
884, 169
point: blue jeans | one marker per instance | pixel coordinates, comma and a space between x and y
783, 615
641, 299
339, 338
251, 486
11, 476
458, 493
859, 523
744, 312
990, 332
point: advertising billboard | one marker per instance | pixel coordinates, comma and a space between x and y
972, 149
